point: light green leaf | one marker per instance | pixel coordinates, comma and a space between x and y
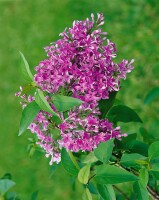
90, 158
121, 113
43, 103
26, 71
129, 160
104, 150
83, 174
28, 115
106, 192
143, 176
87, 195
153, 150
68, 164
5, 185
64, 103
152, 95
108, 174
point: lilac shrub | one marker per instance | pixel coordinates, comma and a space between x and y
80, 64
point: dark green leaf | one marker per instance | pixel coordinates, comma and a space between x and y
34, 195
26, 71
153, 151
92, 188
129, 160
64, 103
83, 174
5, 185
104, 150
139, 147
68, 164
123, 113
151, 95
107, 174
28, 115
87, 195
53, 168
155, 174
43, 103
106, 104
56, 120
106, 192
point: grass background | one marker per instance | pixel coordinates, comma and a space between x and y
29, 26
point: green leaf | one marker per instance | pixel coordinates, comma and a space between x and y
56, 120
140, 191
28, 115
68, 164
5, 185
26, 71
129, 160
87, 195
108, 174
106, 104
153, 150
43, 103
106, 192
155, 174
83, 174
90, 158
151, 95
140, 186
139, 147
104, 150
34, 195
64, 103
123, 113
53, 168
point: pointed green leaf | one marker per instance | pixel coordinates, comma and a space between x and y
104, 150
5, 185
106, 192
152, 95
64, 103
153, 150
43, 103
34, 195
107, 174
106, 104
83, 174
123, 113
68, 164
87, 195
28, 115
26, 71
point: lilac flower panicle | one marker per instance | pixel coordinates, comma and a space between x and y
82, 63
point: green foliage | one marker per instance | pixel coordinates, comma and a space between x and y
68, 164
106, 104
28, 115
153, 150
152, 94
107, 174
64, 103
5, 185
123, 113
104, 151
26, 70
43, 103
106, 192
83, 174
87, 195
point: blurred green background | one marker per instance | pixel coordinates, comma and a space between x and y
28, 26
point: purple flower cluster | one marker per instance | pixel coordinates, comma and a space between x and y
80, 64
